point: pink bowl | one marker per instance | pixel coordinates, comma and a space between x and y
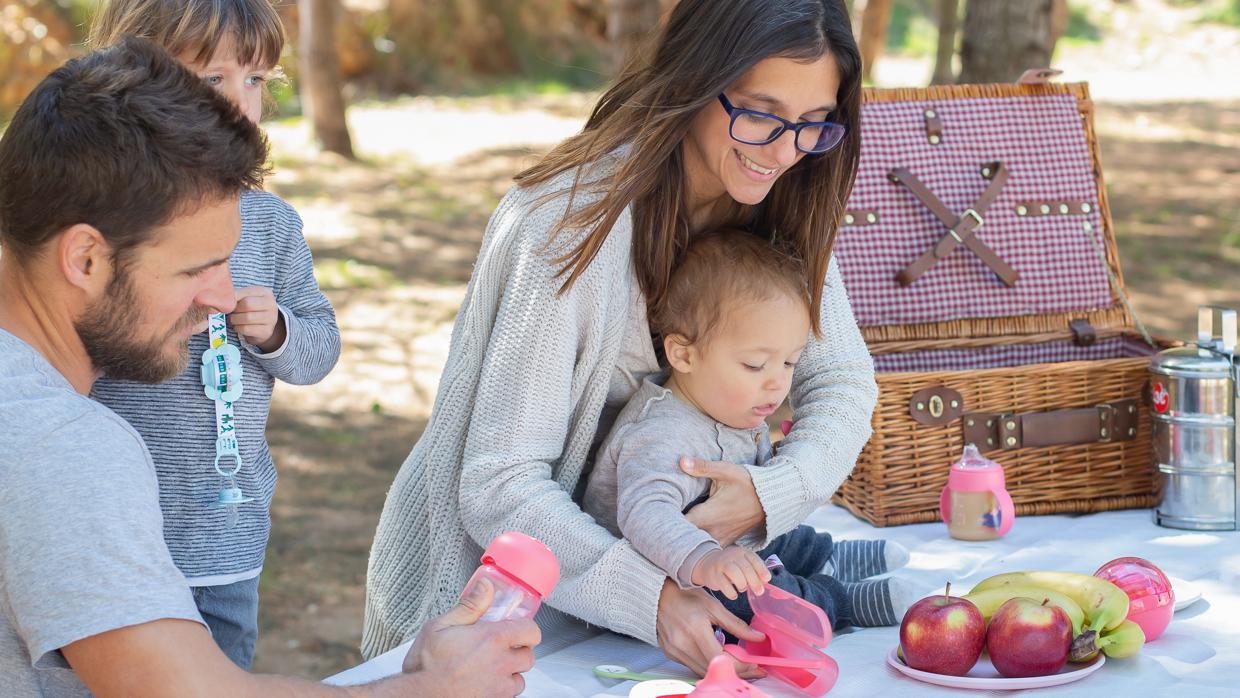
1151, 600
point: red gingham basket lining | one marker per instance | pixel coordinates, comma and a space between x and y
1041, 142
1010, 355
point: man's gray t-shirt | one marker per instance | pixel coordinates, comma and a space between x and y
81, 541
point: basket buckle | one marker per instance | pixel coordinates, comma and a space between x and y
970, 213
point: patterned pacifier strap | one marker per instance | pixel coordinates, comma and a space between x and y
221, 380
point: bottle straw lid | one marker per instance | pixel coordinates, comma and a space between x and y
526, 559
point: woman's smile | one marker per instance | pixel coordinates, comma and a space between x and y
754, 170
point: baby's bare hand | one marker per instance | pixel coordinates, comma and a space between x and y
732, 571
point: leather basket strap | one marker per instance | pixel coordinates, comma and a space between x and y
960, 228
1113, 421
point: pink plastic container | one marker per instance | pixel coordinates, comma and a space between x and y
1151, 600
796, 633
523, 572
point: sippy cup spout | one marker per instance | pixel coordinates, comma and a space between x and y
721, 681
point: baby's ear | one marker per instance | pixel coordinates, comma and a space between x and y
680, 353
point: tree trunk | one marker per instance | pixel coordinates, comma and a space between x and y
944, 72
1003, 38
874, 20
629, 24
1059, 21
321, 100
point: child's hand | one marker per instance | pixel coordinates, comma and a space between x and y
731, 570
257, 318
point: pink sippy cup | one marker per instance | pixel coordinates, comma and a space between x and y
975, 503
795, 630
522, 571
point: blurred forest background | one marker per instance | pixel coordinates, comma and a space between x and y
386, 48
401, 122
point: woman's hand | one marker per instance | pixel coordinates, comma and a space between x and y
733, 508
686, 632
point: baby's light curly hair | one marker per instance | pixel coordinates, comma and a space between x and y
721, 270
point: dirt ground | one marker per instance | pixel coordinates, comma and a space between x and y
394, 241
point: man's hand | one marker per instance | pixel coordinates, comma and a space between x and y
257, 318
732, 571
467, 658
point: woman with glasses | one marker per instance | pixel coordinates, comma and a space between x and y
744, 114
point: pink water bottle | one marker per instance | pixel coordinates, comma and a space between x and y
522, 571
975, 504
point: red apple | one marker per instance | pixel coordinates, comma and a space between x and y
942, 634
1029, 638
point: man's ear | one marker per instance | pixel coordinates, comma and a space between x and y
85, 258
682, 356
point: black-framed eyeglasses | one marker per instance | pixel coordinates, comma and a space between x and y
759, 128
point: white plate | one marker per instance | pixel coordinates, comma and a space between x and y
660, 687
1186, 593
984, 675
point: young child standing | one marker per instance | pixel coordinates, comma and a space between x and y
733, 325
216, 475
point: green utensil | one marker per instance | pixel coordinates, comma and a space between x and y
622, 673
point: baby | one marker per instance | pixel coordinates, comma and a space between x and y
733, 325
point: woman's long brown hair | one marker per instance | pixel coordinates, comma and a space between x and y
705, 47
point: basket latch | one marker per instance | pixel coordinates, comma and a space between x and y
1083, 333
935, 406
1103, 423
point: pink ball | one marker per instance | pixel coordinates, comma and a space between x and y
1151, 600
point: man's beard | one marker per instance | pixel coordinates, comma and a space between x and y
107, 329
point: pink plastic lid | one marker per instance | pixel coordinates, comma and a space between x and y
1151, 599
974, 472
791, 615
526, 559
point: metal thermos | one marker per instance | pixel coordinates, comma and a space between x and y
1193, 398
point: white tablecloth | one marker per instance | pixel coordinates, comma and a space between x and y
1198, 655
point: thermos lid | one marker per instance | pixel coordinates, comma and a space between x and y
526, 559
1191, 360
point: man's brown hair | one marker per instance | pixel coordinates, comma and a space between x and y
123, 139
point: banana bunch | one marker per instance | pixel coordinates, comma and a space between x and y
1100, 606
988, 601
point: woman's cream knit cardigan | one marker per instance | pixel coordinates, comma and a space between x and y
515, 418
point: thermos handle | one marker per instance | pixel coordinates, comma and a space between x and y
1216, 328
945, 505
1007, 510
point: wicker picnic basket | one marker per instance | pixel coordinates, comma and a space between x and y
979, 255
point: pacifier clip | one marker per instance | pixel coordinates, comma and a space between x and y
221, 381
